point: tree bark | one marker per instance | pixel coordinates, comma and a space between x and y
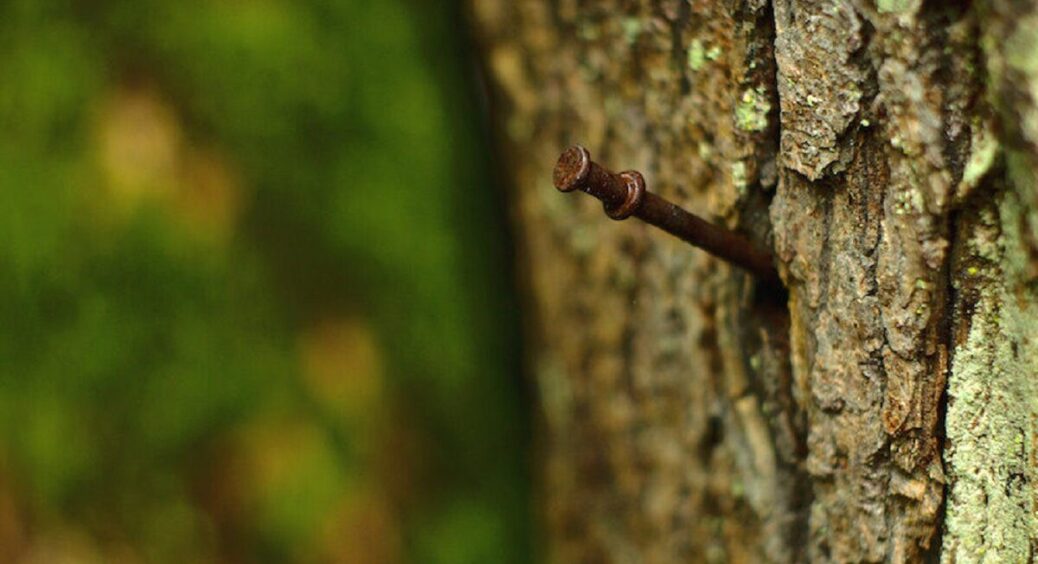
885, 409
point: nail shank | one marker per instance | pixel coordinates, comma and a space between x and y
624, 194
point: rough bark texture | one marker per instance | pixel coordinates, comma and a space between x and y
886, 152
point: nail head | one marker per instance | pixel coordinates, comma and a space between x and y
572, 169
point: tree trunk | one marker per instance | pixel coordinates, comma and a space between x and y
885, 409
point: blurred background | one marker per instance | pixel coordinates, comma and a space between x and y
257, 303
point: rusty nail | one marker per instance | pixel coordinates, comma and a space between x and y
624, 195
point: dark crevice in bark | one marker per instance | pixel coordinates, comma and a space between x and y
678, 26
754, 209
708, 340
865, 59
961, 99
958, 7
556, 16
941, 17
767, 310
762, 73
713, 438
948, 338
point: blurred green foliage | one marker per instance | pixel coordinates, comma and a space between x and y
256, 298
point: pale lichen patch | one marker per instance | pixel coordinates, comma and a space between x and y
631, 28
699, 55
984, 150
897, 6
696, 55
752, 112
738, 174
992, 406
